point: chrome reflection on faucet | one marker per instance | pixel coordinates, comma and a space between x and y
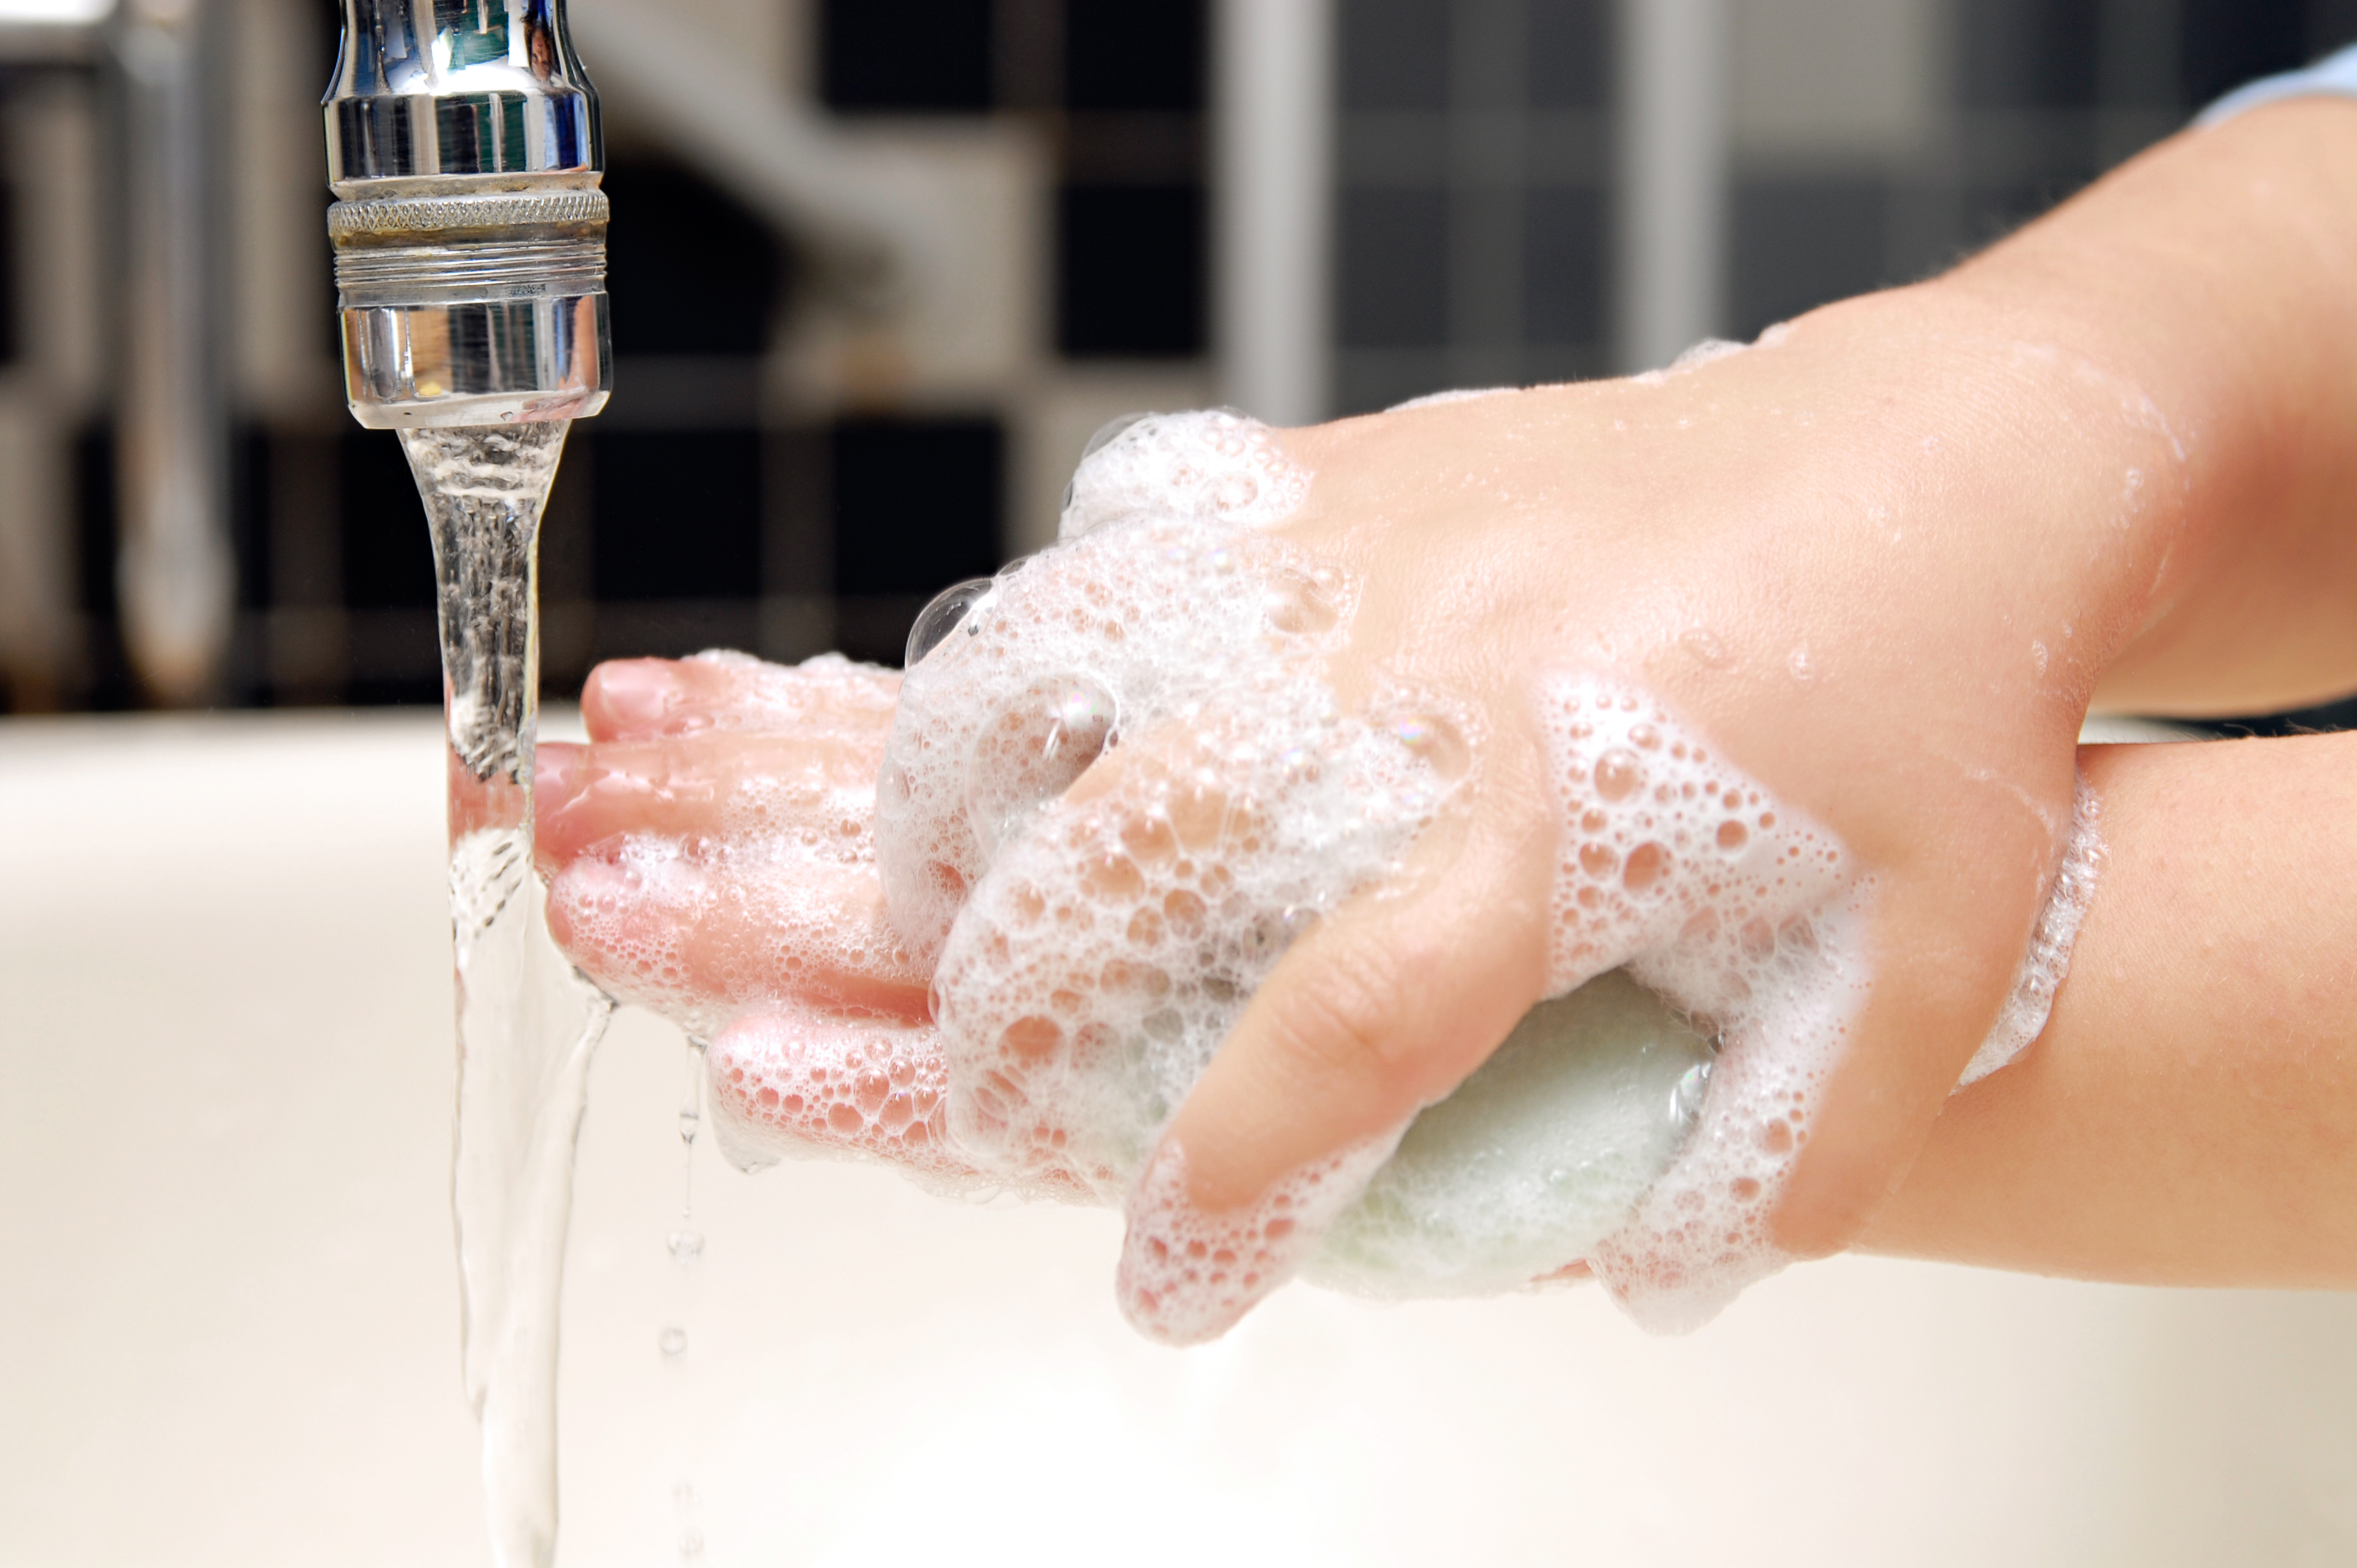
470, 234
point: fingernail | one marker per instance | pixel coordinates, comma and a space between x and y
635, 693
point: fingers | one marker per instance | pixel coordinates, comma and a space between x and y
648, 699
801, 1083
1374, 1015
816, 790
656, 925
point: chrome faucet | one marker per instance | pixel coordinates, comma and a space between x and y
470, 232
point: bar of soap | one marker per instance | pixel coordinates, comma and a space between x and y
1536, 1157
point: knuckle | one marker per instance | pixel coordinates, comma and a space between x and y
1348, 1018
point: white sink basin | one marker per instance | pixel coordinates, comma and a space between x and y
228, 1316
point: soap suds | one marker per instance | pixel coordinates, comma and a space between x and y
1737, 909
2031, 1001
1089, 956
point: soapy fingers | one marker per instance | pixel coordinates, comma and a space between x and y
703, 862
1379, 1011
651, 699
698, 940
800, 1083
815, 786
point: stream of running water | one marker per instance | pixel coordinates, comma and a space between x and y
528, 1021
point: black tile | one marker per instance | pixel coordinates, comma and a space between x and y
1394, 262
2328, 718
675, 514
1802, 242
916, 504
904, 56
670, 628
2028, 54
1121, 54
94, 508
2226, 43
1130, 269
1570, 54
1563, 267
387, 550
107, 684
249, 514
2331, 25
691, 271
1394, 55
419, 691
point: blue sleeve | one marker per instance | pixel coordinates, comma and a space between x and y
2336, 73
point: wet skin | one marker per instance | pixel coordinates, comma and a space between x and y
1886, 565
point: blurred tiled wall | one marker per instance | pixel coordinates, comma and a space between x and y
1874, 143
747, 488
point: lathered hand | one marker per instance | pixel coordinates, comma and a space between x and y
1873, 570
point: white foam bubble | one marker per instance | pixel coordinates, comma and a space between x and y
1196, 1272
1093, 957
2031, 1001
802, 1085
1740, 910
824, 695
1218, 465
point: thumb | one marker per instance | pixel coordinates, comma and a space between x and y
1377, 1012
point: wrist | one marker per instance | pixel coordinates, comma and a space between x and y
2213, 275
2036, 491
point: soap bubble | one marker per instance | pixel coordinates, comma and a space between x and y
950, 608
1032, 750
1106, 434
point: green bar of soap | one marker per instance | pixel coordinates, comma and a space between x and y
1536, 1159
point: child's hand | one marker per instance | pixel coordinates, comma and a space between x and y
1871, 569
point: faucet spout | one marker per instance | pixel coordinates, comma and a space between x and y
469, 235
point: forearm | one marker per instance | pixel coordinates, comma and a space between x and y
2189, 1116
2216, 277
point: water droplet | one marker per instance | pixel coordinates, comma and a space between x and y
687, 1245
1437, 742
1302, 604
1685, 1100
951, 607
673, 1339
1707, 651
